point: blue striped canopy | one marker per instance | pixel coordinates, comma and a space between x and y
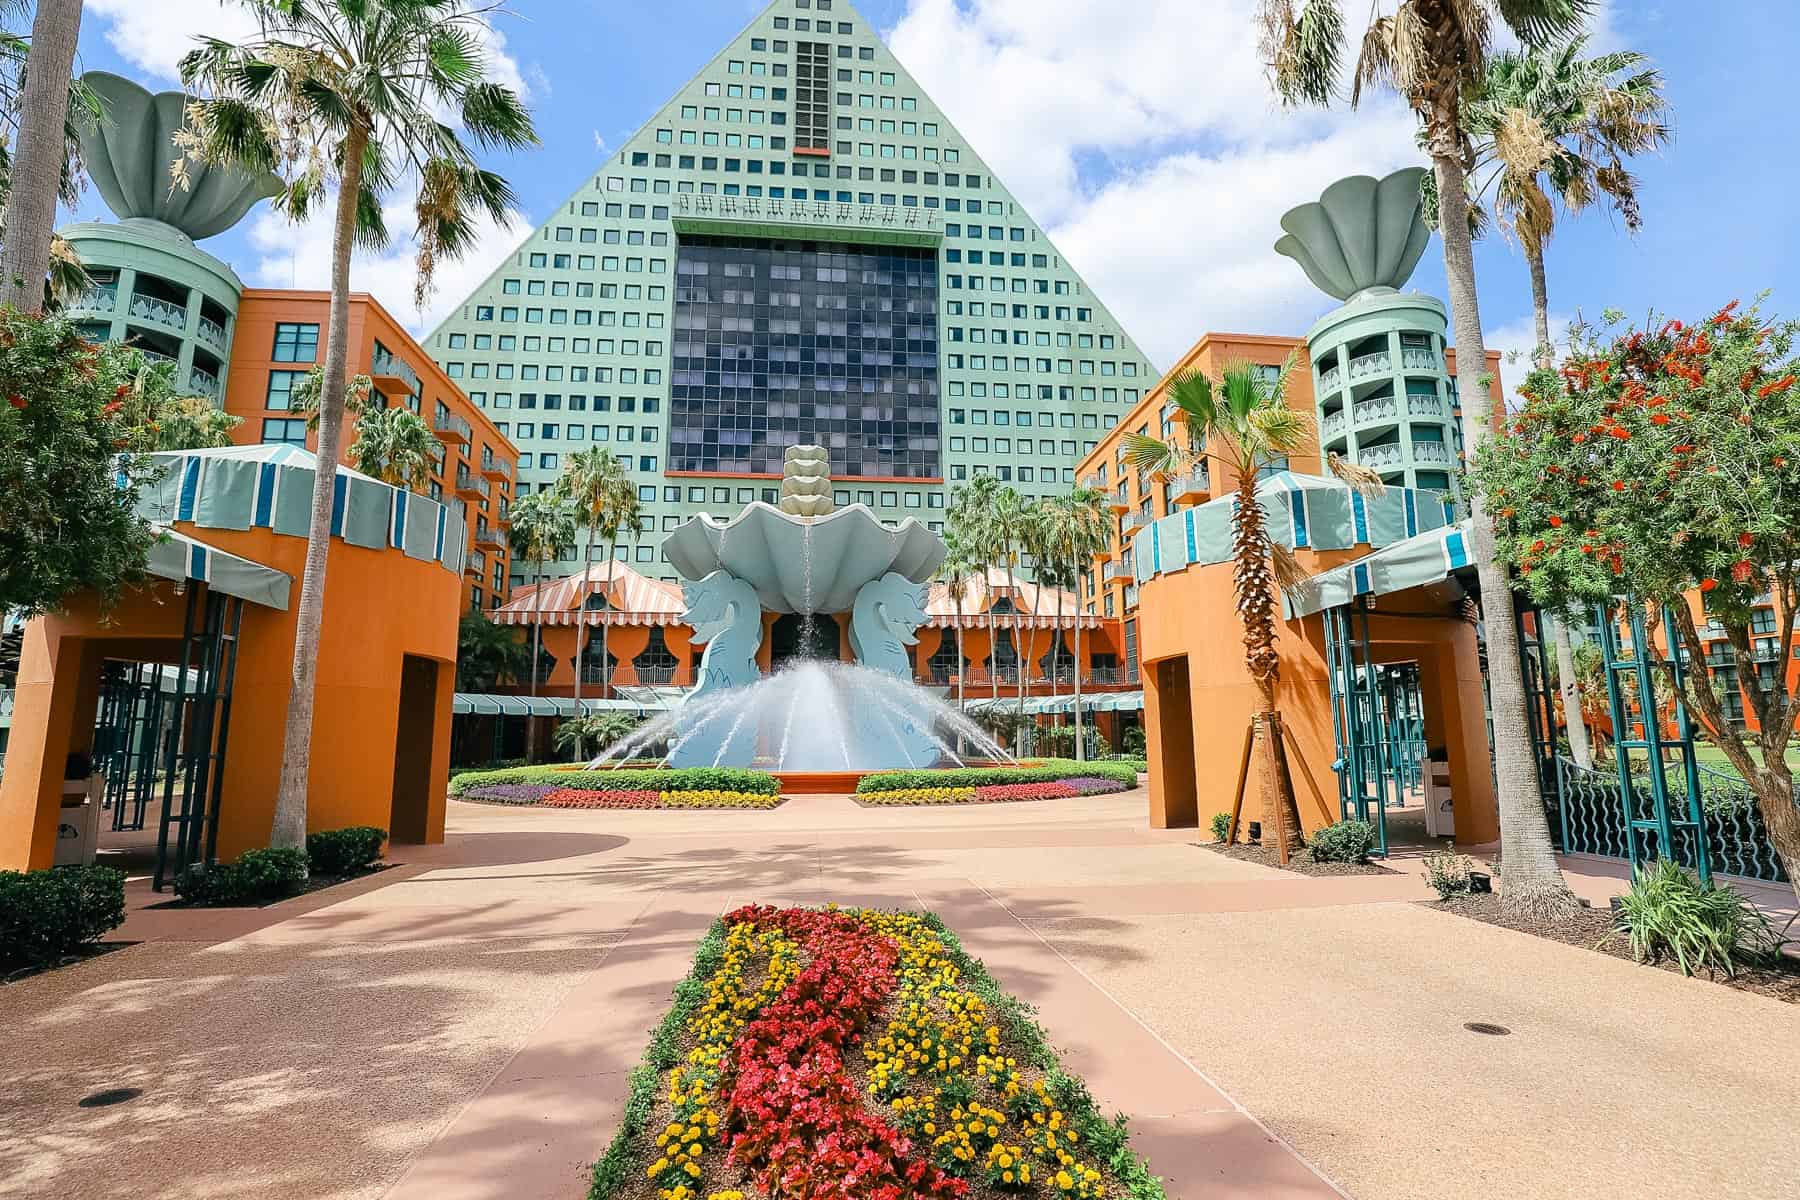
1425, 558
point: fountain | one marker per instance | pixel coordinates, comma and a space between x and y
809, 558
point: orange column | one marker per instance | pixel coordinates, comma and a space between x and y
47, 704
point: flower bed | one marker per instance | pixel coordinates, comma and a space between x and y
843, 1054
582, 798
1121, 777
476, 785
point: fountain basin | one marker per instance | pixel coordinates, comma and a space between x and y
804, 564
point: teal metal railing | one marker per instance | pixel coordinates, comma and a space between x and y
1595, 819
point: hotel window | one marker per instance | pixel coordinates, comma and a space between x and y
284, 431
812, 97
296, 342
281, 390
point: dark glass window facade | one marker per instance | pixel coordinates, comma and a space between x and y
786, 343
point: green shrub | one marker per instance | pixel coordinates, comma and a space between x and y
1669, 912
1044, 772
1132, 741
45, 916
256, 877
1221, 826
344, 851
1447, 872
1343, 842
679, 779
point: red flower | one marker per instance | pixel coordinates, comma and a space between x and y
16, 400
122, 391
1742, 570
110, 409
1537, 547
1746, 540
1659, 419
1579, 438
1618, 485
1707, 585
1556, 522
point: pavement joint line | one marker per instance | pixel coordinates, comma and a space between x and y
1236, 1105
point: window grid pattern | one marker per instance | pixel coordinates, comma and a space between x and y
799, 343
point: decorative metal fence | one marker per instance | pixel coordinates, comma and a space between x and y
1590, 818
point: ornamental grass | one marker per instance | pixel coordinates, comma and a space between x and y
856, 1055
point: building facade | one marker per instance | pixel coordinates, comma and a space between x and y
798, 248
1315, 388
280, 339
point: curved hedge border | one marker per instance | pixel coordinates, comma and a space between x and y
681, 779
1049, 771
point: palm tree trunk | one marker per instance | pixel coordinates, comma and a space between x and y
1571, 695
581, 634
1532, 881
1080, 749
1254, 581
37, 165
612, 552
1012, 586
289, 828
537, 657
1545, 354
961, 668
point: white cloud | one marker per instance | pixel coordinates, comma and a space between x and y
1199, 160
1516, 340
152, 35
299, 256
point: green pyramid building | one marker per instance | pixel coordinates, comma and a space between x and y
797, 248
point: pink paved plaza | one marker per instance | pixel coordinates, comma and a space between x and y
460, 1027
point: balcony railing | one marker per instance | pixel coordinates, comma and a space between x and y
385, 366
1330, 379
1379, 457
475, 564
922, 221
1120, 571
1332, 425
104, 299
1419, 405
495, 468
212, 333
1381, 410
1137, 520
1379, 363
470, 486
1430, 452
486, 535
202, 382
1194, 482
159, 312
1415, 358
450, 428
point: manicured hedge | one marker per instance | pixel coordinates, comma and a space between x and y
344, 851
45, 916
684, 779
1050, 771
257, 877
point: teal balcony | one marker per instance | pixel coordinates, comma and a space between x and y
104, 300
159, 312
210, 333
1380, 458
202, 382
1368, 365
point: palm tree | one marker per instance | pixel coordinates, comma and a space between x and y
1083, 531
959, 563
396, 446
1551, 116
487, 655
352, 94
543, 530
968, 521
605, 498
39, 173
601, 729
1434, 52
1247, 424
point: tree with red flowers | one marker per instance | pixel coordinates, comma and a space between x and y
1664, 463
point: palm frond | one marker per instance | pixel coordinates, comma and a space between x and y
1289, 574
1301, 48
1364, 481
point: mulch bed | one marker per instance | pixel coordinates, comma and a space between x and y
314, 883
1589, 928
1299, 863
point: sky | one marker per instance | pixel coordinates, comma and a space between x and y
1142, 136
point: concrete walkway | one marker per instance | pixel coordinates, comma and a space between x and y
461, 1026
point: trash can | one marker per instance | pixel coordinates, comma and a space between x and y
78, 826
1440, 812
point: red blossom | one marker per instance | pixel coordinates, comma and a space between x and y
1742, 570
